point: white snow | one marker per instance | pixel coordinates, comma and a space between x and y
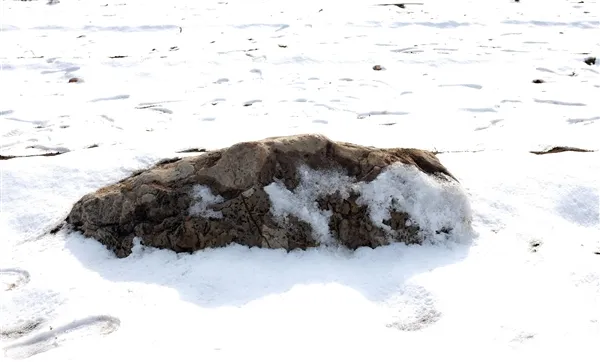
301, 203
161, 77
433, 204
203, 199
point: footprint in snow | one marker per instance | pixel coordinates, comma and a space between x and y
13, 278
56, 337
26, 310
20, 329
416, 310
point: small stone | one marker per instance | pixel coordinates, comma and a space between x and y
590, 60
378, 67
539, 81
75, 80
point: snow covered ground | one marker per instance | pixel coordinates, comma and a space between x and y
159, 77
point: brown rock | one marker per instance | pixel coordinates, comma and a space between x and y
285, 192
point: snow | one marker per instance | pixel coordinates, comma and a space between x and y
203, 200
434, 204
300, 203
457, 79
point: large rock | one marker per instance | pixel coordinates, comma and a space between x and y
286, 192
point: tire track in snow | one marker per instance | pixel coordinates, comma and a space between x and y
45, 341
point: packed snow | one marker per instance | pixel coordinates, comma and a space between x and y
116, 86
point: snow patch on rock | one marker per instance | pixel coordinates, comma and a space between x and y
302, 202
438, 206
204, 199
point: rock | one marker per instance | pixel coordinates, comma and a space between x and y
286, 192
590, 60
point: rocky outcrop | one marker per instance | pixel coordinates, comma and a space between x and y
285, 192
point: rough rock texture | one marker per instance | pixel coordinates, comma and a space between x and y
223, 196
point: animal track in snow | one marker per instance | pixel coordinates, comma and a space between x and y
13, 278
45, 341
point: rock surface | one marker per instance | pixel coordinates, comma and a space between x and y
285, 192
